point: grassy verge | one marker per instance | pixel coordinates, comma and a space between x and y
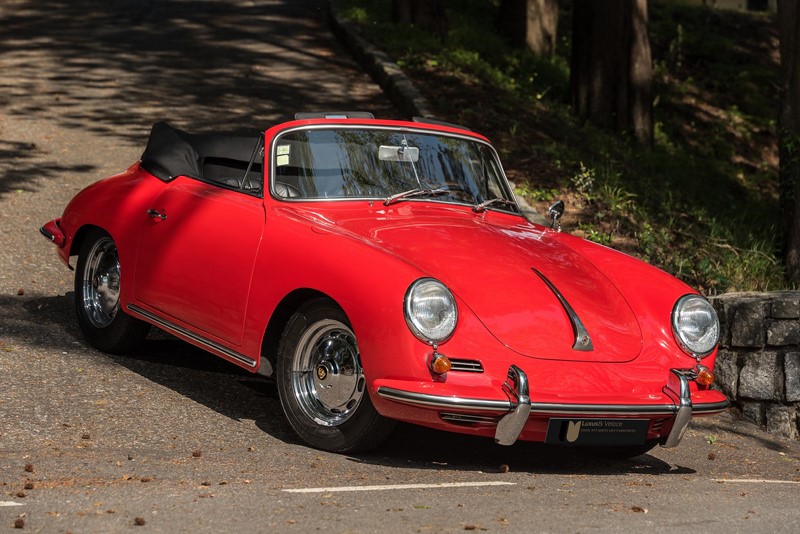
702, 204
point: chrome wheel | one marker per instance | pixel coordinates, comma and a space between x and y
321, 381
327, 379
97, 297
100, 283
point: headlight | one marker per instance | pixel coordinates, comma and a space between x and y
695, 325
430, 310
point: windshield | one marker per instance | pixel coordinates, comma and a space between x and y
387, 164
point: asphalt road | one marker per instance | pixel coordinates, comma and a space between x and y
170, 439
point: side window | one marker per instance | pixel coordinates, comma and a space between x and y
233, 173
311, 164
231, 162
293, 176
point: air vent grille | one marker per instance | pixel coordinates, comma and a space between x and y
466, 366
469, 419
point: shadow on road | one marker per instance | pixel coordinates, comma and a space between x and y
240, 395
47, 321
20, 176
749, 431
237, 394
210, 381
423, 448
114, 68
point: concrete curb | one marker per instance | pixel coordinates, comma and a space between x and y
401, 91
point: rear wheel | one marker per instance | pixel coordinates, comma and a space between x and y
321, 382
97, 297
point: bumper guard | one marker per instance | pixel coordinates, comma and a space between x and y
510, 426
684, 413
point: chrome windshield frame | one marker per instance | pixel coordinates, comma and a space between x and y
270, 167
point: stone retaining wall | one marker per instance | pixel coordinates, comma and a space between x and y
758, 365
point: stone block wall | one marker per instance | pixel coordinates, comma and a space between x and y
758, 364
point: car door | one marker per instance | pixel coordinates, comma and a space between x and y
196, 255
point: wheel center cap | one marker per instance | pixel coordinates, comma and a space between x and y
322, 372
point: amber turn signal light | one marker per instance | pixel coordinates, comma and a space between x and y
704, 376
439, 363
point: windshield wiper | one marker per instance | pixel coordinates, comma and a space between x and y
478, 208
414, 193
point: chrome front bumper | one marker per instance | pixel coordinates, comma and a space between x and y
518, 407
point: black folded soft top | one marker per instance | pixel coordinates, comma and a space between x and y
171, 152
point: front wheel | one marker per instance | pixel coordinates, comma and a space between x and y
97, 297
321, 382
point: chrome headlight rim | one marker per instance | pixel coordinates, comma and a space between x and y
691, 348
420, 332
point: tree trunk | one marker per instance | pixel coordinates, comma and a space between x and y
789, 128
611, 72
401, 11
428, 15
531, 23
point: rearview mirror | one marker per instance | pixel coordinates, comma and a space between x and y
398, 153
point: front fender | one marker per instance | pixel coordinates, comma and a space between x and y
366, 281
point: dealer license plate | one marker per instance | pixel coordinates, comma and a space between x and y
597, 431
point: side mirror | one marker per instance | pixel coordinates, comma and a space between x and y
555, 212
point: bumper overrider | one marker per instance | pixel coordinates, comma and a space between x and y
519, 407
52, 232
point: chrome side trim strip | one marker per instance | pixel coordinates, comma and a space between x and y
583, 341
179, 330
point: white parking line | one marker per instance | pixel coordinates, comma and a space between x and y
399, 487
9, 503
760, 480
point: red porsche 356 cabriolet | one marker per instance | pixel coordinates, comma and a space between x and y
382, 270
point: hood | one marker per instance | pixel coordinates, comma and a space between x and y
518, 279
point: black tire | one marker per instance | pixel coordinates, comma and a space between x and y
97, 285
321, 383
621, 452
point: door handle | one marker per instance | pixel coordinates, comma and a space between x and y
155, 214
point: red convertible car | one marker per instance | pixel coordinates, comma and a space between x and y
382, 271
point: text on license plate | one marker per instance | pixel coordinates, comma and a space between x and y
564, 431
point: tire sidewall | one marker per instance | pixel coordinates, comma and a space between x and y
124, 332
362, 430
